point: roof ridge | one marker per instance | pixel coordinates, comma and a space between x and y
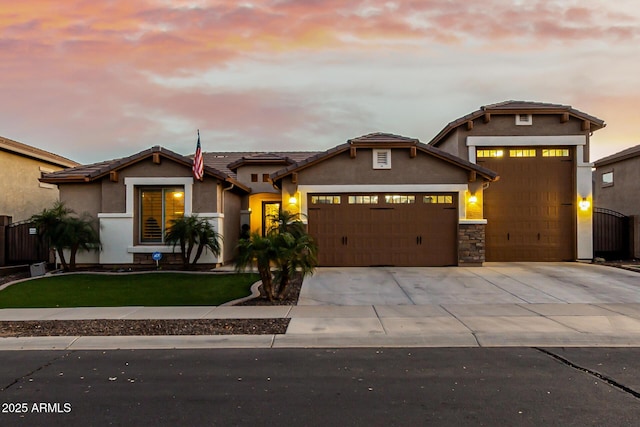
39, 153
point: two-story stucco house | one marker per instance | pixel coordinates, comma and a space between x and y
21, 167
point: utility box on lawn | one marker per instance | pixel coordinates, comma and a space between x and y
38, 269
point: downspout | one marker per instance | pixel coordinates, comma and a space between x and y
222, 201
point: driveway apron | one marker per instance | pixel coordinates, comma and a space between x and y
495, 283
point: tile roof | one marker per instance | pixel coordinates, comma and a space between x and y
388, 139
12, 146
512, 107
626, 154
91, 172
227, 162
381, 138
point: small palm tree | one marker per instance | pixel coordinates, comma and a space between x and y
193, 233
261, 251
287, 248
62, 229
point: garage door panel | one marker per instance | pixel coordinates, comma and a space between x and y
402, 234
530, 210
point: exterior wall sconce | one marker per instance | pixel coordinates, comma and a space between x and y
584, 204
473, 199
293, 200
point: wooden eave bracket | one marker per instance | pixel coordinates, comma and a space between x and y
586, 125
487, 117
113, 176
352, 152
413, 152
564, 118
156, 158
294, 177
470, 124
472, 176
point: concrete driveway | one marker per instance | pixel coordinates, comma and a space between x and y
495, 283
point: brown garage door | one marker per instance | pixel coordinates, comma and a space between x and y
530, 210
415, 229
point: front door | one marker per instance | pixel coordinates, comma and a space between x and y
270, 211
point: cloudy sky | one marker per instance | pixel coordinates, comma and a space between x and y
94, 80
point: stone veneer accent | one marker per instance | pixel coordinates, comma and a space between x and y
471, 244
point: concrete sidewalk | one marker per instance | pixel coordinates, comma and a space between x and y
432, 325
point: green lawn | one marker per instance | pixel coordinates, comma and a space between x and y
148, 289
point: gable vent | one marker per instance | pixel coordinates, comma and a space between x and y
524, 119
382, 159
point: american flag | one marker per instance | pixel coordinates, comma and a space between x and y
198, 163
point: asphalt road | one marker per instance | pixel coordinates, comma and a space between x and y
322, 387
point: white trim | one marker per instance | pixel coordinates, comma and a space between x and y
527, 122
44, 184
375, 154
304, 190
139, 249
513, 141
210, 214
115, 215
132, 182
472, 221
516, 141
382, 188
584, 220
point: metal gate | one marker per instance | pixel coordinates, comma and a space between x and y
23, 245
611, 234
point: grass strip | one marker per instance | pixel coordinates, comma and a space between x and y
116, 290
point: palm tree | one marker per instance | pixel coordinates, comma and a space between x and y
261, 251
63, 230
287, 248
297, 251
191, 233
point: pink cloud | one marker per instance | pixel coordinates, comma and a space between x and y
81, 67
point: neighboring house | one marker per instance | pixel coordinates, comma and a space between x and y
617, 187
21, 166
501, 184
617, 181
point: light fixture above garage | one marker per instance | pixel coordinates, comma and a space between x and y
584, 204
473, 199
293, 200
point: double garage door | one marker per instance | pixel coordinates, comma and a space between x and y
375, 229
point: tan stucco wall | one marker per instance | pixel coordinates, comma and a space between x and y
114, 193
21, 194
232, 205
82, 198
206, 195
244, 175
342, 169
504, 125
623, 195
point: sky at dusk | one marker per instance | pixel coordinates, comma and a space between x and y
95, 80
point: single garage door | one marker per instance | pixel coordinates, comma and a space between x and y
530, 210
374, 229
